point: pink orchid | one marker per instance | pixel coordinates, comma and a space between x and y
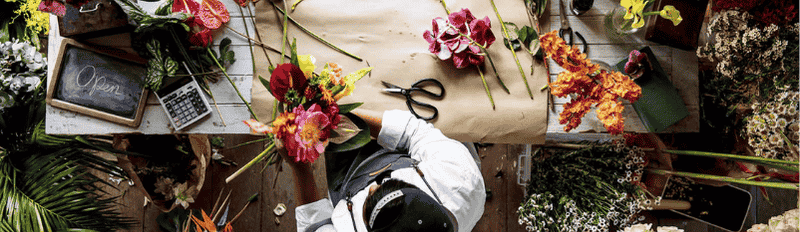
453, 38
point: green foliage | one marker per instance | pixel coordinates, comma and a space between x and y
226, 57
145, 21
520, 36
62, 197
159, 66
346, 108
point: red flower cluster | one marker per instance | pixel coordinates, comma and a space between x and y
459, 37
592, 86
775, 12
744, 5
208, 15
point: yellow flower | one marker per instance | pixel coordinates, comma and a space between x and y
669, 12
307, 64
633, 8
350, 82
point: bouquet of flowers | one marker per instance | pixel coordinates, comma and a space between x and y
593, 86
309, 115
307, 120
591, 189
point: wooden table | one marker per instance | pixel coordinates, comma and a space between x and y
680, 65
231, 108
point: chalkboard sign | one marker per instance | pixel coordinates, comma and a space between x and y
98, 83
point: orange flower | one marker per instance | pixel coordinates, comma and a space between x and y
206, 225
592, 87
327, 95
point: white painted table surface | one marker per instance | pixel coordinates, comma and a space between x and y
154, 120
680, 65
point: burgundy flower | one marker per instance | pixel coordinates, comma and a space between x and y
201, 38
482, 31
443, 39
461, 20
333, 114
287, 77
467, 58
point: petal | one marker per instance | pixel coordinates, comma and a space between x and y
444, 54
669, 12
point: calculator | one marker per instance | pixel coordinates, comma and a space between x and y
184, 102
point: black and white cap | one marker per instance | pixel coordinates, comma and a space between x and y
420, 212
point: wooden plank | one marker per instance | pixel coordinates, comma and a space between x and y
493, 169
154, 122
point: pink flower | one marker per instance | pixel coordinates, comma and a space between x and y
312, 133
53, 6
453, 38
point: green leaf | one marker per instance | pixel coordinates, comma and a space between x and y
358, 141
265, 83
346, 108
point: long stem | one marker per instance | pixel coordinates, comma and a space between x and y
485, 51
258, 35
726, 179
285, 38
251, 163
232, 84
486, 87
249, 40
731, 156
505, 34
315, 36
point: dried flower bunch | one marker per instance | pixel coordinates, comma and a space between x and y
592, 85
772, 130
22, 68
592, 189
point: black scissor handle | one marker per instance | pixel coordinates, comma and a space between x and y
410, 101
417, 86
571, 40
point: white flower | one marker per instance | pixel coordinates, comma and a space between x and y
759, 228
639, 228
668, 229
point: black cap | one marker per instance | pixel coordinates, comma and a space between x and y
420, 212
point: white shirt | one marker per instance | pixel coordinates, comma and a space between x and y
447, 164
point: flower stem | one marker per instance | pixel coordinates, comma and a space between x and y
285, 26
314, 35
731, 156
726, 179
232, 84
445, 7
486, 87
251, 163
485, 51
505, 34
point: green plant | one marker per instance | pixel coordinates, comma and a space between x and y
45, 183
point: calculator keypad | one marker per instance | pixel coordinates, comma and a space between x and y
184, 106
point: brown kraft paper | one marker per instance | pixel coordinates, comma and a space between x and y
387, 35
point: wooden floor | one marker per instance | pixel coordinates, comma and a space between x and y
498, 165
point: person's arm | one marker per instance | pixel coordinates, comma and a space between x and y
372, 118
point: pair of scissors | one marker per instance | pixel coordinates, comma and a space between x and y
566, 29
417, 87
